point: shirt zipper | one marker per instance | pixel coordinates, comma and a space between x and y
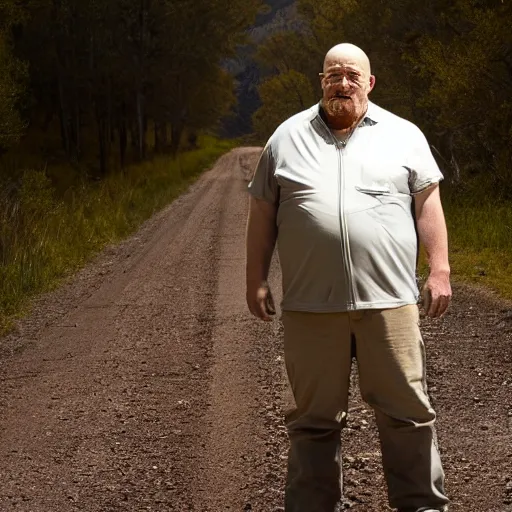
341, 215
343, 223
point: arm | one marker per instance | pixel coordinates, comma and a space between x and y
260, 242
433, 235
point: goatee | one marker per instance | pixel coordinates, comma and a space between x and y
339, 107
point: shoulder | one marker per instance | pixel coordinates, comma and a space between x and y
293, 125
395, 124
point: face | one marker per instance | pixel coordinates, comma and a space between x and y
346, 84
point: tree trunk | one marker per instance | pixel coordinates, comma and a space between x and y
78, 141
192, 140
73, 134
102, 144
176, 133
165, 142
134, 137
63, 114
160, 137
158, 142
102, 124
123, 136
140, 125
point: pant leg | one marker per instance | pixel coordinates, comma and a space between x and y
317, 350
391, 362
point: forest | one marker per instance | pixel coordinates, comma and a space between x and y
109, 109
446, 66
112, 71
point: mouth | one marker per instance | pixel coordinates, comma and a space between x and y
341, 96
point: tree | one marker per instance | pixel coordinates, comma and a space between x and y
11, 91
282, 96
470, 79
12, 78
116, 69
446, 67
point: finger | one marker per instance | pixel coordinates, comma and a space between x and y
258, 304
266, 303
433, 307
442, 302
255, 308
271, 307
443, 306
262, 309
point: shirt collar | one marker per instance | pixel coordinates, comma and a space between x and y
372, 114
319, 121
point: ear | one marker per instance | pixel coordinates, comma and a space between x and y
372, 83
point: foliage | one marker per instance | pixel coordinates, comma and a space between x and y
44, 237
470, 86
295, 93
446, 67
12, 78
103, 74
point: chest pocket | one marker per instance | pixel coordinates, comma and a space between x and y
376, 190
385, 177
380, 198
378, 182
365, 197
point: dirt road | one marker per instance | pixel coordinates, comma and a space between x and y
144, 385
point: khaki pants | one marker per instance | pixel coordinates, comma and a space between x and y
391, 364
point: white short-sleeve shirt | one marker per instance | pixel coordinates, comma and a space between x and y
346, 232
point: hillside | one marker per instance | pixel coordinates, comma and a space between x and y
282, 15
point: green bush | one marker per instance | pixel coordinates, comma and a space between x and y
43, 238
480, 240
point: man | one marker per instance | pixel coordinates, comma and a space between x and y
334, 187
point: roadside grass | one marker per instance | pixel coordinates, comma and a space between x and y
45, 236
480, 239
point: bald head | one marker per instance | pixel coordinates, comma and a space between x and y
347, 54
346, 83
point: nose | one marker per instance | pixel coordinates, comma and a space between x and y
344, 82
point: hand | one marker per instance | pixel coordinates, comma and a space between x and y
261, 302
436, 294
